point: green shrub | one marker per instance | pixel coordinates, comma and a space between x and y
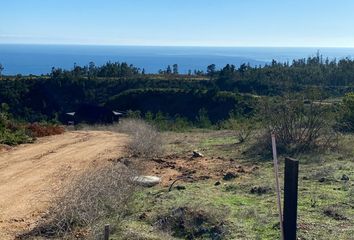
181, 124
161, 121
134, 114
202, 120
14, 137
346, 122
164, 122
11, 133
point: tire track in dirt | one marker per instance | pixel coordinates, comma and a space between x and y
30, 173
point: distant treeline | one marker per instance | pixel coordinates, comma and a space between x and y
331, 76
216, 92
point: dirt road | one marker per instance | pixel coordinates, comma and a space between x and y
30, 174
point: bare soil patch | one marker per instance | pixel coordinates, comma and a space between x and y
31, 173
173, 167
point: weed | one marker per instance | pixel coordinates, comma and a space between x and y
334, 212
322, 174
192, 222
146, 140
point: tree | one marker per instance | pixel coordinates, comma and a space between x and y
242, 69
168, 70
1, 69
211, 70
56, 72
228, 70
198, 72
347, 119
175, 69
92, 71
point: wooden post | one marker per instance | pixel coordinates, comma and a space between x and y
277, 186
290, 198
106, 232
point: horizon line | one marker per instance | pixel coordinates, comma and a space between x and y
176, 46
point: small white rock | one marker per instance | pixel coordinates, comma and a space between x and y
197, 154
147, 181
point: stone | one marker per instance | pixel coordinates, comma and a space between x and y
147, 181
180, 187
345, 178
143, 216
217, 183
322, 179
197, 154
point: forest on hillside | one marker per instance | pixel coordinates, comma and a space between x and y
215, 94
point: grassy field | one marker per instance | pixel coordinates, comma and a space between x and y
244, 207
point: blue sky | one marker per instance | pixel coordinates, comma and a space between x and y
294, 23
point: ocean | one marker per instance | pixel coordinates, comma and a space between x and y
39, 59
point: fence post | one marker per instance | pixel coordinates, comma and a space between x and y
290, 198
276, 175
106, 232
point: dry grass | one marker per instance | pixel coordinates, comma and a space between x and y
299, 128
93, 197
146, 140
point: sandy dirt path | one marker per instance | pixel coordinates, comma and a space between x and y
30, 174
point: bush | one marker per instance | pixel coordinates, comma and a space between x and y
298, 127
346, 122
194, 222
14, 137
11, 133
146, 140
43, 130
163, 122
202, 119
244, 128
181, 124
90, 199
